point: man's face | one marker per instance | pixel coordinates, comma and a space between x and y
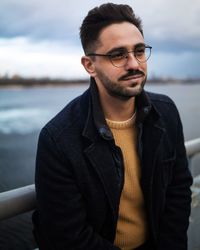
121, 82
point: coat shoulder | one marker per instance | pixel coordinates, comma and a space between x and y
160, 98
70, 117
167, 110
163, 103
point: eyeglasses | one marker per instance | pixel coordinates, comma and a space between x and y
119, 57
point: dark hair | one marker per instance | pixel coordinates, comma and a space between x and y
101, 17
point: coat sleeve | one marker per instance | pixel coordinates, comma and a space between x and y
60, 219
175, 219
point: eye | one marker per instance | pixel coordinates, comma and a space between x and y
139, 51
117, 55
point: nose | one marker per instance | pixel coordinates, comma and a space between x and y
132, 62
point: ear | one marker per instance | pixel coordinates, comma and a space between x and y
88, 64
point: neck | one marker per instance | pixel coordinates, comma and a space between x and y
117, 109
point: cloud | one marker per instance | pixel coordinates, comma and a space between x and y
42, 37
41, 59
62, 59
171, 25
38, 19
165, 22
179, 65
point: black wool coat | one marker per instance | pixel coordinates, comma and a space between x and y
79, 176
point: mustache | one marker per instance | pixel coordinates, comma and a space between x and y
131, 73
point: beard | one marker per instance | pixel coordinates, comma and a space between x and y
118, 89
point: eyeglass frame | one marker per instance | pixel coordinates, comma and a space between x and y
108, 55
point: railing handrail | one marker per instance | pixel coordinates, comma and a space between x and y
192, 147
21, 200
17, 201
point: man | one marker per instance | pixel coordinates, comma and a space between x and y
111, 168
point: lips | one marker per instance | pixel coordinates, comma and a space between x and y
132, 77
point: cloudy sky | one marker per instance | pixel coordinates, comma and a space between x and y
41, 38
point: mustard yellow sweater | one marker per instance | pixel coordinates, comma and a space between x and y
131, 226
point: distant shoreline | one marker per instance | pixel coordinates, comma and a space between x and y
47, 82
49, 85
43, 82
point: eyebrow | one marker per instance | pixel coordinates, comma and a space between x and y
123, 48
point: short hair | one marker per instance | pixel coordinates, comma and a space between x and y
101, 17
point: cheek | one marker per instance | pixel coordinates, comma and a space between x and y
144, 67
114, 74
110, 71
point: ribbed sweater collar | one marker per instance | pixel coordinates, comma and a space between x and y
122, 124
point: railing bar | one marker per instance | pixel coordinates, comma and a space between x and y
192, 147
17, 201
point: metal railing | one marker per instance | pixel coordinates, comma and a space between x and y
17, 201
192, 147
23, 199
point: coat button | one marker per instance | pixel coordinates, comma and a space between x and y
105, 133
146, 110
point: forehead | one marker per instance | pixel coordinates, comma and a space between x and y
120, 35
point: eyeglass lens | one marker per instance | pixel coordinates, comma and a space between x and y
119, 58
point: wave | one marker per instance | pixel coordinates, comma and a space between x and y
23, 120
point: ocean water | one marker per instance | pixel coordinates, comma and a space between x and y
24, 111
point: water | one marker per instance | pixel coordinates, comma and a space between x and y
24, 111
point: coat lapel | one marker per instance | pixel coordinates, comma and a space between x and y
100, 156
151, 140
98, 149
151, 130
